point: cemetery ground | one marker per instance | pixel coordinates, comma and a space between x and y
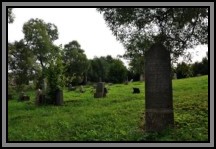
117, 117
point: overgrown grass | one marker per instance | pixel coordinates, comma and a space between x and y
118, 117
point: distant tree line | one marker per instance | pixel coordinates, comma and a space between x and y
184, 70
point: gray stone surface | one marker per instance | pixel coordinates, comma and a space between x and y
158, 89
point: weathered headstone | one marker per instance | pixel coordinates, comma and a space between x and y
40, 98
142, 78
71, 88
136, 90
99, 90
23, 97
81, 89
31, 82
126, 82
174, 76
59, 97
105, 92
158, 89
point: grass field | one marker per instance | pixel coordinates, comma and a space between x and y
118, 117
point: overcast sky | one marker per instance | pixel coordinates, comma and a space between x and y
85, 25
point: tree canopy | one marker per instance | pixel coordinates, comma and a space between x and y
176, 28
10, 15
40, 36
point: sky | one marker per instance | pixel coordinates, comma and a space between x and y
85, 25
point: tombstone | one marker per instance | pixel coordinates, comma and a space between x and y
81, 89
174, 76
31, 82
110, 84
23, 97
71, 88
142, 78
99, 90
40, 98
105, 92
59, 97
126, 82
158, 89
131, 80
136, 90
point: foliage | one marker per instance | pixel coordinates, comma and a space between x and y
183, 70
54, 74
108, 69
21, 62
99, 68
139, 28
10, 15
39, 37
117, 72
75, 62
176, 28
200, 68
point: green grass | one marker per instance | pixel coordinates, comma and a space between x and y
118, 117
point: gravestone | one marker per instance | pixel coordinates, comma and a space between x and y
174, 76
23, 97
40, 98
81, 89
71, 88
158, 89
99, 90
136, 90
126, 82
142, 78
59, 97
105, 92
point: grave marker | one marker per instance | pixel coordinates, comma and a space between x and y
158, 89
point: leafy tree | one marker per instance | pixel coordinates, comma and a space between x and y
108, 69
200, 68
10, 15
117, 71
39, 36
99, 68
21, 62
183, 70
55, 76
176, 28
75, 61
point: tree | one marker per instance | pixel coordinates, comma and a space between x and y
176, 29
21, 62
200, 68
55, 76
117, 71
10, 15
75, 61
39, 36
183, 70
99, 68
